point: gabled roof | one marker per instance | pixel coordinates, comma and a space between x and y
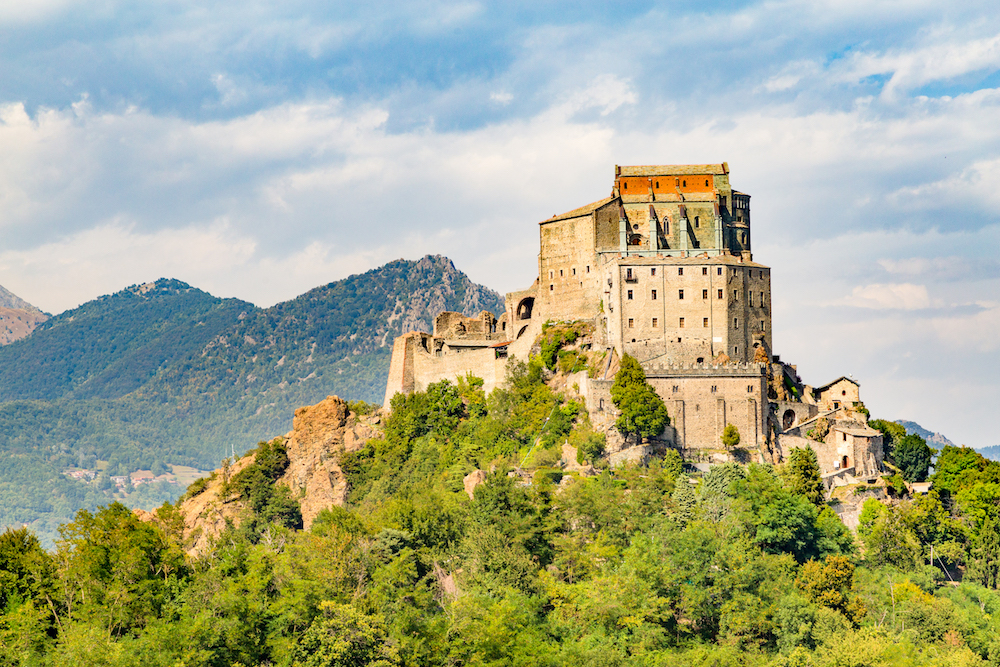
830, 384
580, 212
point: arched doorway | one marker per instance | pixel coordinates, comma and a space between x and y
787, 419
524, 308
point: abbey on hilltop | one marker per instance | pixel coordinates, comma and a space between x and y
663, 269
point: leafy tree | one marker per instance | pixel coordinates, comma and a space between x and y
829, 583
984, 559
957, 467
730, 437
802, 476
685, 500
892, 433
887, 539
913, 457
643, 412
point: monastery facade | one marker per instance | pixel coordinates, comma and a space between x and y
663, 268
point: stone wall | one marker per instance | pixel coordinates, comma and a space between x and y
686, 309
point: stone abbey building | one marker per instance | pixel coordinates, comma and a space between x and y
663, 268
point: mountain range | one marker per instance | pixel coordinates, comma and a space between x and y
163, 373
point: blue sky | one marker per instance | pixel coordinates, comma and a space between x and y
259, 149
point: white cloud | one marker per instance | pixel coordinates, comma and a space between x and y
952, 55
903, 296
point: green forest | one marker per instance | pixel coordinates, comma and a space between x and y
638, 565
166, 374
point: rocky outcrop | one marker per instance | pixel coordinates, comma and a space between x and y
320, 434
18, 318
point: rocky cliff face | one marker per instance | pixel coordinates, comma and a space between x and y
18, 318
320, 434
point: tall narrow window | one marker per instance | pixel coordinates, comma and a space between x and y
652, 271
680, 271
704, 294
704, 322
630, 295
628, 274
560, 273
762, 325
680, 294
750, 296
681, 324
631, 323
736, 323
654, 295
588, 269
736, 295
656, 323
761, 299
697, 222
720, 294
574, 271
704, 270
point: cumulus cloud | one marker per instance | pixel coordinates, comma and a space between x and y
903, 296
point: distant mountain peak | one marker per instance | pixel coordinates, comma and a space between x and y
14, 302
936, 440
158, 287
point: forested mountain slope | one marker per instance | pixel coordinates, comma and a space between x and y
163, 373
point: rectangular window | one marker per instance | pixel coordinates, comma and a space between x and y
704, 322
680, 294
654, 295
681, 324
749, 388
588, 269
628, 274
630, 295
652, 272
761, 299
704, 294
762, 325
551, 287
656, 323
574, 271
631, 323
736, 295
720, 294
715, 388
697, 222
550, 275
736, 323
680, 271
736, 351
704, 270
750, 295
560, 273
675, 389
718, 271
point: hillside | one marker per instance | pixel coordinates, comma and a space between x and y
936, 440
18, 318
362, 540
164, 373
